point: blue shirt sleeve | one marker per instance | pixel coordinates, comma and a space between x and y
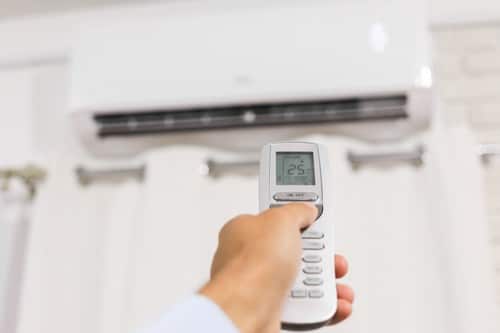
195, 315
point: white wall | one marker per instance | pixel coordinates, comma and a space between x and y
461, 11
467, 67
16, 98
14, 8
36, 125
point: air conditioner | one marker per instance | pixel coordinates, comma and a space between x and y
237, 74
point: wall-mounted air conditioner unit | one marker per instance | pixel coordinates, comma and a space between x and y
359, 68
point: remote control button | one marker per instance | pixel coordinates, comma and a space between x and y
313, 246
313, 281
312, 234
316, 293
299, 293
311, 259
319, 207
313, 270
320, 210
295, 196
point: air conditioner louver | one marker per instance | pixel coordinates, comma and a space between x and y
320, 112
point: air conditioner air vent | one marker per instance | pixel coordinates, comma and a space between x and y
273, 114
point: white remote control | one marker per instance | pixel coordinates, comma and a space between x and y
298, 172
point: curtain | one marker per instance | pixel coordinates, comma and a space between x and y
15, 218
71, 272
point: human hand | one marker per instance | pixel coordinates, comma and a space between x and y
256, 263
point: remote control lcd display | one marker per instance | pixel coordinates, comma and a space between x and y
295, 168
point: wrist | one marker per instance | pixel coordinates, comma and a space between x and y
248, 292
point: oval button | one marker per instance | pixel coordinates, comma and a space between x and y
298, 293
295, 196
316, 294
312, 234
313, 246
313, 281
311, 258
312, 270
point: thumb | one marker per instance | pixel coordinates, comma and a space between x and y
300, 214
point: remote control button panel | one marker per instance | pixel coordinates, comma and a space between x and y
312, 241
312, 268
310, 281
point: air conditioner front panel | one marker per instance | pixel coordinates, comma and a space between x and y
312, 51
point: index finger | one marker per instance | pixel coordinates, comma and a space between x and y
301, 214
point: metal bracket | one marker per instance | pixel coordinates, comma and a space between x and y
30, 175
488, 151
414, 157
87, 176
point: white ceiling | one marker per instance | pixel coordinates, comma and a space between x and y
13, 8
441, 11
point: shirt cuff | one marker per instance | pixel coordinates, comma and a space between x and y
194, 315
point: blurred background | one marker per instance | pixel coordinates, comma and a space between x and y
131, 132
